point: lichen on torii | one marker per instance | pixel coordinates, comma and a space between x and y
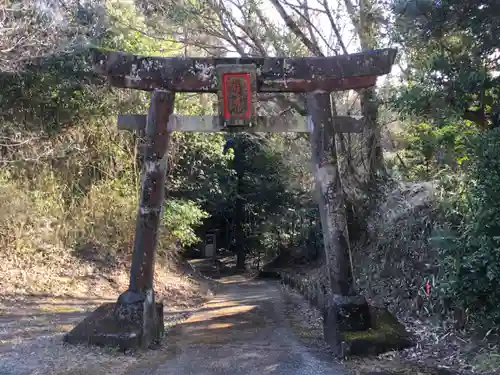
274, 74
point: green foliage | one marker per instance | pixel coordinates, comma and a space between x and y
60, 91
181, 217
80, 175
199, 169
110, 227
130, 33
452, 58
75, 171
471, 248
449, 105
272, 209
50, 95
422, 145
30, 224
431, 149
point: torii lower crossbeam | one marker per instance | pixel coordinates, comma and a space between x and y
207, 124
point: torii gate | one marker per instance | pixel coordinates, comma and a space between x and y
135, 320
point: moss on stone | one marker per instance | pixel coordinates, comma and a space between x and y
387, 334
364, 335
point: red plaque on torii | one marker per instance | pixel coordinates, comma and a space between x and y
237, 94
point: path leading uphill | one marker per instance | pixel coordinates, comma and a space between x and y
242, 331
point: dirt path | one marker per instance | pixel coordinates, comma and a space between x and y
243, 330
36, 317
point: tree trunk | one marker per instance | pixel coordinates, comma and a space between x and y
372, 137
367, 28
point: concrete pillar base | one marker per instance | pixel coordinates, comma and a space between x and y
135, 321
353, 327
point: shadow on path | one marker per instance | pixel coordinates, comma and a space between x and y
243, 330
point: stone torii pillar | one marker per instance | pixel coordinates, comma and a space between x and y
135, 320
344, 310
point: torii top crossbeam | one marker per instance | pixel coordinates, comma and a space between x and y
273, 74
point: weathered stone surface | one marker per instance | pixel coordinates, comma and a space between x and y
274, 74
151, 200
123, 326
273, 124
330, 195
342, 314
385, 334
354, 327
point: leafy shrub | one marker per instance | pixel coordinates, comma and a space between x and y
106, 220
180, 218
435, 147
470, 245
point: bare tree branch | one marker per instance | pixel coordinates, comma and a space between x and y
314, 48
30, 30
335, 29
